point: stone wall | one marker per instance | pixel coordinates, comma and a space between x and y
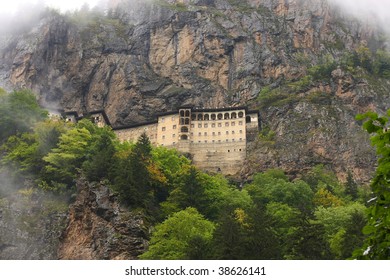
131, 134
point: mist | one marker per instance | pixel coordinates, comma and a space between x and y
376, 11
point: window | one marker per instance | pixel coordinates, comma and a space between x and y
240, 131
163, 128
233, 123
232, 131
162, 119
199, 125
220, 117
226, 124
174, 126
240, 123
227, 132
192, 125
205, 134
219, 132
213, 133
213, 125
219, 124
163, 137
173, 135
173, 143
240, 114
213, 141
232, 140
200, 134
205, 141
206, 125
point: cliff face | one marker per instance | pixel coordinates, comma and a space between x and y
149, 57
40, 226
99, 228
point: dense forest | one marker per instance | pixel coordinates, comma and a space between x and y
193, 214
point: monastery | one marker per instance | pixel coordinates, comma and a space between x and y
215, 139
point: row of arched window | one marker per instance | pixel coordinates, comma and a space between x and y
217, 116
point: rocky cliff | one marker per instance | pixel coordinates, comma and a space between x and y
34, 225
99, 228
139, 58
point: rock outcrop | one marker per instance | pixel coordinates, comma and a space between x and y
99, 228
148, 57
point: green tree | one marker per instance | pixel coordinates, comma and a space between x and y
245, 235
19, 112
351, 188
100, 155
268, 187
338, 230
132, 178
173, 239
24, 153
65, 161
377, 242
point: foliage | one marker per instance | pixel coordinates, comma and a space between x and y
64, 161
336, 221
244, 234
210, 195
325, 198
19, 112
24, 153
377, 242
100, 155
174, 238
273, 186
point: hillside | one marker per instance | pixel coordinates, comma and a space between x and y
307, 66
293, 60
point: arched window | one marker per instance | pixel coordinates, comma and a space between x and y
184, 129
184, 137
234, 115
227, 116
248, 119
181, 113
193, 117
220, 116
181, 121
213, 117
206, 117
240, 114
187, 121
187, 113
200, 117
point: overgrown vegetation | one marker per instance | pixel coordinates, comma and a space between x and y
195, 215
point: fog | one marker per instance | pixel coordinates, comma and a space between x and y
367, 10
10, 7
